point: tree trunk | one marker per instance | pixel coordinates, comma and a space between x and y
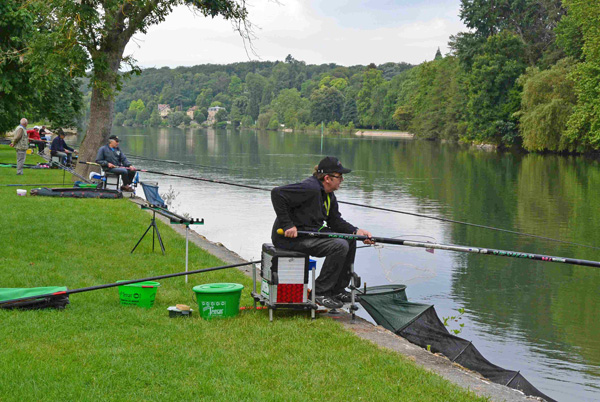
102, 109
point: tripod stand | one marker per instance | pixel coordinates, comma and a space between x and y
154, 229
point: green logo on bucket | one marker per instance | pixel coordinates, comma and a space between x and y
214, 308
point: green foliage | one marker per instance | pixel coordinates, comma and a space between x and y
434, 109
350, 112
176, 119
155, 119
584, 124
34, 81
291, 108
221, 116
273, 123
264, 119
455, 318
533, 20
119, 119
492, 95
326, 104
200, 115
366, 102
137, 105
546, 105
569, 37
247, 121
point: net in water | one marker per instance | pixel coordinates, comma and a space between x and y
420, 324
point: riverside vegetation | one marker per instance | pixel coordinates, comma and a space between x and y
97, 349
526, 75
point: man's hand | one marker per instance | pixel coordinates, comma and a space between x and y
291, 232
362, 232
110, 165
131, 167
12, 145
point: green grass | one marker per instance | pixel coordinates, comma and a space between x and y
97, 349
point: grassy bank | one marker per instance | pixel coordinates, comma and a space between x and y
97, 349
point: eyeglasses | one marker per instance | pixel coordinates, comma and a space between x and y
341, 177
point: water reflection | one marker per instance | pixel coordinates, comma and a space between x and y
540, 318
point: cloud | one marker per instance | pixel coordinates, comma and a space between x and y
311, 31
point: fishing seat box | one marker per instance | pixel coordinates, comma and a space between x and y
283, 280
111, 181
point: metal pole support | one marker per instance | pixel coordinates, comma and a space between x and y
187, 231
254, 282
312, 294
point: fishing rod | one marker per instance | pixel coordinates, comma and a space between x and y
179, 163
111, 285
449, 247
380, 209
184, 177
66, 169
32, 185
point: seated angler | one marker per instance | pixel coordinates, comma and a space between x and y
112, 160
311, 205
34, 138
60, 148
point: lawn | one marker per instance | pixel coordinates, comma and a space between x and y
96, 349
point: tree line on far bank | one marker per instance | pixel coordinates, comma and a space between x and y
527, 74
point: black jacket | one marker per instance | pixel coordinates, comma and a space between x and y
302, 205
107, 155
59, 145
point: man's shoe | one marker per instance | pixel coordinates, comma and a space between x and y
329, 302
346, 297
127, 188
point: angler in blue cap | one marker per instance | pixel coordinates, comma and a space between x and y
311, 205
113, 160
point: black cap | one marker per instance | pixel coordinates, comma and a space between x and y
331, 164
114, 137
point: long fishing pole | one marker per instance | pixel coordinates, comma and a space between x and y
379, 209
186, 177
32, 185
67, 169
179, 163
111, 285
450, 247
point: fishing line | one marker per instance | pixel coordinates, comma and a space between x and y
402, 271
384, 209
181, 163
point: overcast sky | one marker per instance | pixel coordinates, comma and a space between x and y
346, 32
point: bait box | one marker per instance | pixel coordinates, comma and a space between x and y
175, 312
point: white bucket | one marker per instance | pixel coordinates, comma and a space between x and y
21, 193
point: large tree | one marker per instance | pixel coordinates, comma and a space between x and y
103, 28
35, 82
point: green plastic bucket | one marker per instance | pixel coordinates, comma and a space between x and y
141, 294
218, 300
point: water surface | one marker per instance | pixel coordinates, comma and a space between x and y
540, 318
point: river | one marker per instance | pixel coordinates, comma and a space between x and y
537, 317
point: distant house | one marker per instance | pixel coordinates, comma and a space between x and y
190, 111
164, 110
212, 113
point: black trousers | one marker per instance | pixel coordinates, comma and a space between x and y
126, 175
40, 144
339, 256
